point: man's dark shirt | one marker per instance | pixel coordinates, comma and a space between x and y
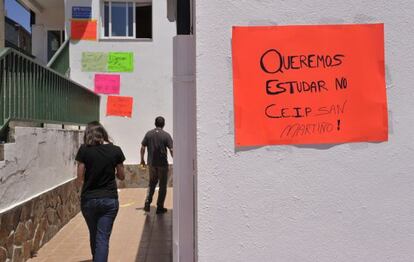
157, 141
100, 162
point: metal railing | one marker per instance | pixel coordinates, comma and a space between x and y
60, 60
21, 50
30, 91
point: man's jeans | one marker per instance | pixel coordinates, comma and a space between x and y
157, 174
100, 214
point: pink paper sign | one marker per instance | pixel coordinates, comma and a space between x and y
107, 84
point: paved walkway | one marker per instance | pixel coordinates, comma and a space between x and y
136, 236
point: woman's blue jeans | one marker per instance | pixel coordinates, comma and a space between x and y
100, 214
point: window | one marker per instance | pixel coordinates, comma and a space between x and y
55, 39
127, 20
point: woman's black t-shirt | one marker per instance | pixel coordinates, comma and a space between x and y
100, 162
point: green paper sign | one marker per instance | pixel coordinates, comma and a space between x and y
94, 62
121, 62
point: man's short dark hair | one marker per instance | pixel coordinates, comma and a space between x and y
159, 122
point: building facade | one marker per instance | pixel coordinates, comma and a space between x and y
147, 34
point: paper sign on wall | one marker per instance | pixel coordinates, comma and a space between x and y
83, 29
121, 62
94, 62
119, 106
107, 84
309, 84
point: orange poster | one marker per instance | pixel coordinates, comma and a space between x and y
119, 106
83, 29
309, 84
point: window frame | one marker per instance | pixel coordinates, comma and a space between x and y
135, 3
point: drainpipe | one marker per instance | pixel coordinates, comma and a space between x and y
183, 17
2, 24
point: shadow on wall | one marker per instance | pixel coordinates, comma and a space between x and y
311, 146
281, 148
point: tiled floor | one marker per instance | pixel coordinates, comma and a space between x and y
137, 236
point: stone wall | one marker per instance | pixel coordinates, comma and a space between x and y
137, 177
27, 227
35, 161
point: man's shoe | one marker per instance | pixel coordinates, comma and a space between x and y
161, 210
147, 208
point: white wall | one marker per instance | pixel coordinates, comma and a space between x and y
41, 159
52, 17
350, 202
49, 19
150, 84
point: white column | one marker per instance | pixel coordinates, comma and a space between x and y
184, 148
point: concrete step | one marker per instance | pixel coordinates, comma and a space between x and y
13, 124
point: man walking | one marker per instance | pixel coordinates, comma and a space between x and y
157, 141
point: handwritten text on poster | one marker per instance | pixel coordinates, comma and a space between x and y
121, 62
94, 62
119, 106
309, 84
107, 84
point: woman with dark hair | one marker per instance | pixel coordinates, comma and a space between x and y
99, 162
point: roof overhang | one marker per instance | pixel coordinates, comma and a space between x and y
38, 6
32, 5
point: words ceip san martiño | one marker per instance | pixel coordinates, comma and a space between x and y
274, 63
